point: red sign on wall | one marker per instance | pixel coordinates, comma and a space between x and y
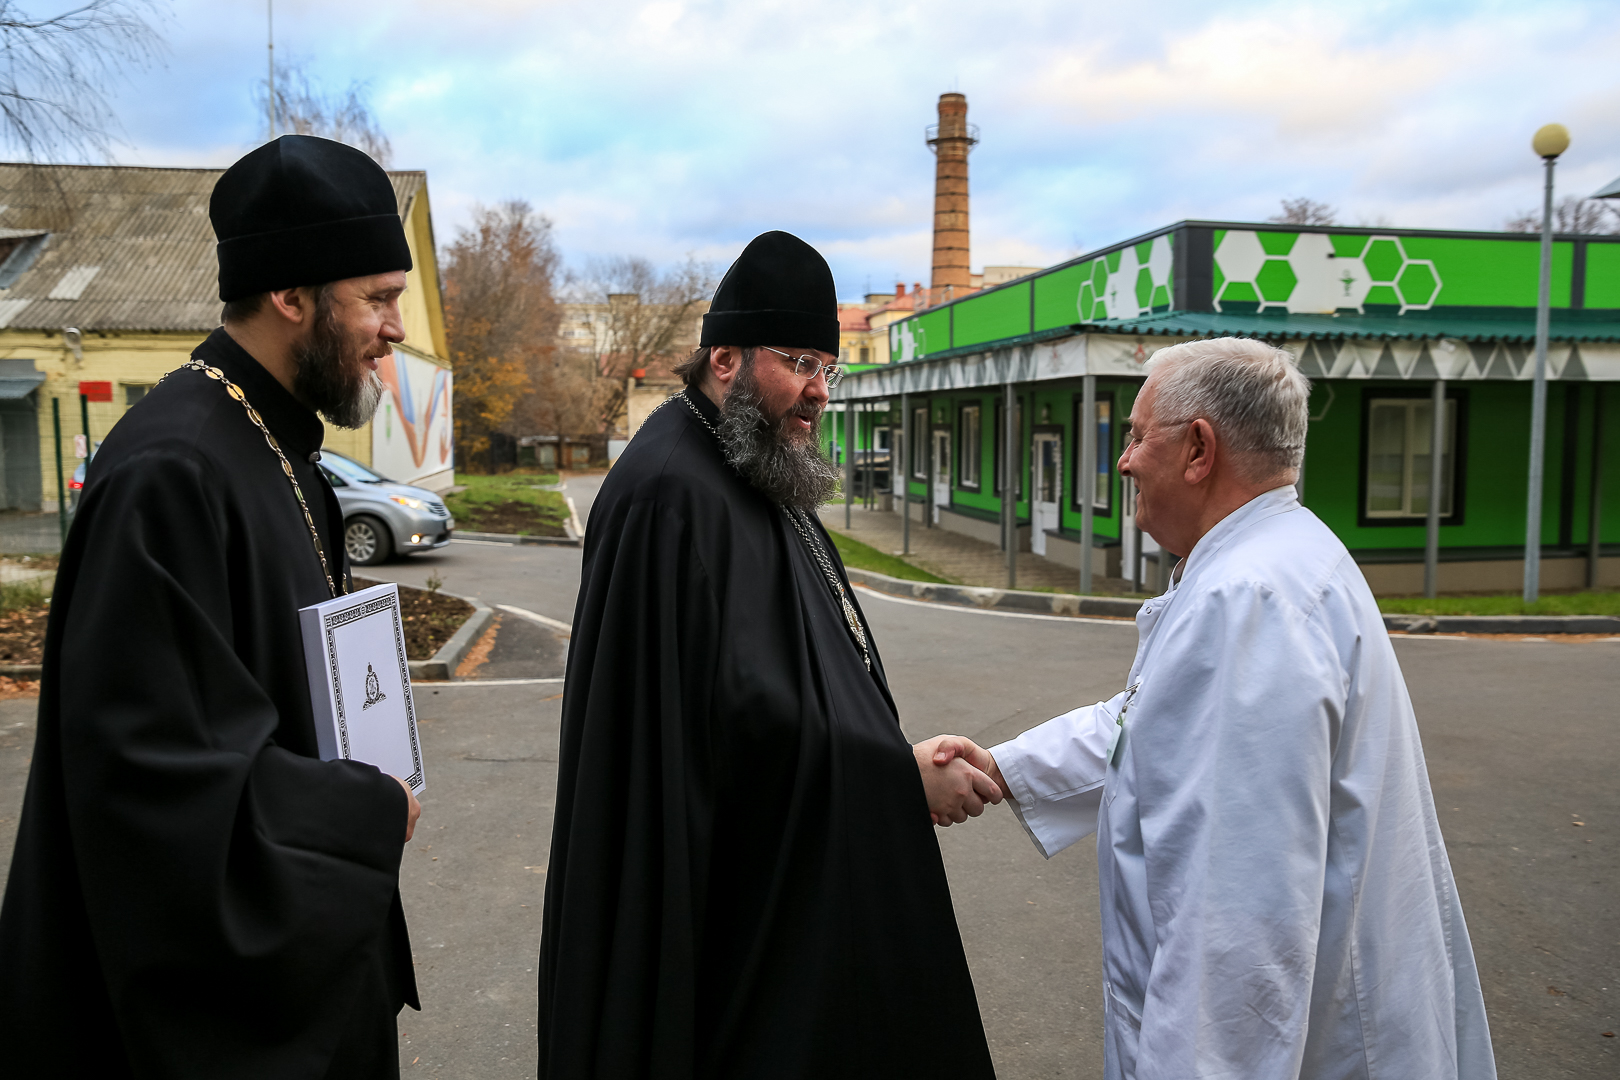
96, 391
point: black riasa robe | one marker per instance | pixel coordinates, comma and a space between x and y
744, 880
193, 892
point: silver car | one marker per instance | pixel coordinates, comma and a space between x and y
382, 518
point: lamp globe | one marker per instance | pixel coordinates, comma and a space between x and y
1551, 140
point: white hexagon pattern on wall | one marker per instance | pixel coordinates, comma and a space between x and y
1319, 274
1127, 283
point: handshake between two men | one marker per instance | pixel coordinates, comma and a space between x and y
959, 777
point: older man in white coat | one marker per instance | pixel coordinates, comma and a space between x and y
1276, 897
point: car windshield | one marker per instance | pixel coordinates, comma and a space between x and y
352, 471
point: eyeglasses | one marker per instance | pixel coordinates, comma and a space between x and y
1135, 436
808, 367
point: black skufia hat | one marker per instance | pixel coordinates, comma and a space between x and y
778, 292
304, 211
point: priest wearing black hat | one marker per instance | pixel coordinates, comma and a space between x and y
744, 880
194, 893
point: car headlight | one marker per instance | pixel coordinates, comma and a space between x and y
406, 500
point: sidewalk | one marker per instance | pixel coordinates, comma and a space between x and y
962, 560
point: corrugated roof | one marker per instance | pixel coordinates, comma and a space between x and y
1421, 325
147, 232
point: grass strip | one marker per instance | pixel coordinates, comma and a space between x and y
865, 557
1583, 603
515, 502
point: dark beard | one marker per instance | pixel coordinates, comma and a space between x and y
788, 468
328, 379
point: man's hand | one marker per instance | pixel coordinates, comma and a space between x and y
956, 788
950, 747
414, 812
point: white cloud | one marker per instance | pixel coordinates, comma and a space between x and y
676, 126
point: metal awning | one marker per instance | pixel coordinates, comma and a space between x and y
18, 379
1413, 326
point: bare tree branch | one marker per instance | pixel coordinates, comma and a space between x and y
56, 70
303, 108
1304, 212
647, 318
1571, 214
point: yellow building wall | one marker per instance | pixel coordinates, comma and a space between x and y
421, 307
141, 359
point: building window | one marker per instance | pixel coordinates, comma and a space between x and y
1395, 478
866, 354
970, 452
919, 444
1100, 485
134, 392
999, 451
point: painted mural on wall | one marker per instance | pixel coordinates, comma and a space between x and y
412, 435
1127, 283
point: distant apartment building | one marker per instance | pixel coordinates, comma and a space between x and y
862, 335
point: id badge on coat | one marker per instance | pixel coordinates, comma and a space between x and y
1119, 723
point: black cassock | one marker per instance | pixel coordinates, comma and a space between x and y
744, 880
193, 892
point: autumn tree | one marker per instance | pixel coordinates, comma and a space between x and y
645, 318
500, 317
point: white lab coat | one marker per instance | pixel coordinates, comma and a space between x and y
1276, 897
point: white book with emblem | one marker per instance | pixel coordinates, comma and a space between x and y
360, 682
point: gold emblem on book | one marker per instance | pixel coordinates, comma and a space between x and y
374, 692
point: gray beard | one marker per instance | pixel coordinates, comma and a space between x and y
343, 391
788, 470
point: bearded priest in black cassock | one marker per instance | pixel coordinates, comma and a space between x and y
193, 892
744, 880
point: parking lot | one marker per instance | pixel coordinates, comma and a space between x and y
1521, 744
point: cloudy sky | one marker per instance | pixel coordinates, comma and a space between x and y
672, 128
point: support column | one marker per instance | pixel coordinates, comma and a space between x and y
1088, 477
928, 456
1009, 483
904, 473
61, 488
1594, 529
869, 491
1437, 445
849, 459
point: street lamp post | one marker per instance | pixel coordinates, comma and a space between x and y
1548, 142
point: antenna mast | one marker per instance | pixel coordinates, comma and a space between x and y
270, 41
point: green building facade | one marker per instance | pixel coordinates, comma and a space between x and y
1379, 320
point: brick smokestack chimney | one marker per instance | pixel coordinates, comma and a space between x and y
951, 139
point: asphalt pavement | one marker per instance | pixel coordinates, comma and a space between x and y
1520, 738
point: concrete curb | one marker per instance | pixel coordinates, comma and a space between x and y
442, 666
1120, 607
1502, 624
22, 671
1116, 607
514, 538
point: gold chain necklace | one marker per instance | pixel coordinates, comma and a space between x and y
801, 522
286, 466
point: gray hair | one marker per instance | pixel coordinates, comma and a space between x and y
1251, 393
